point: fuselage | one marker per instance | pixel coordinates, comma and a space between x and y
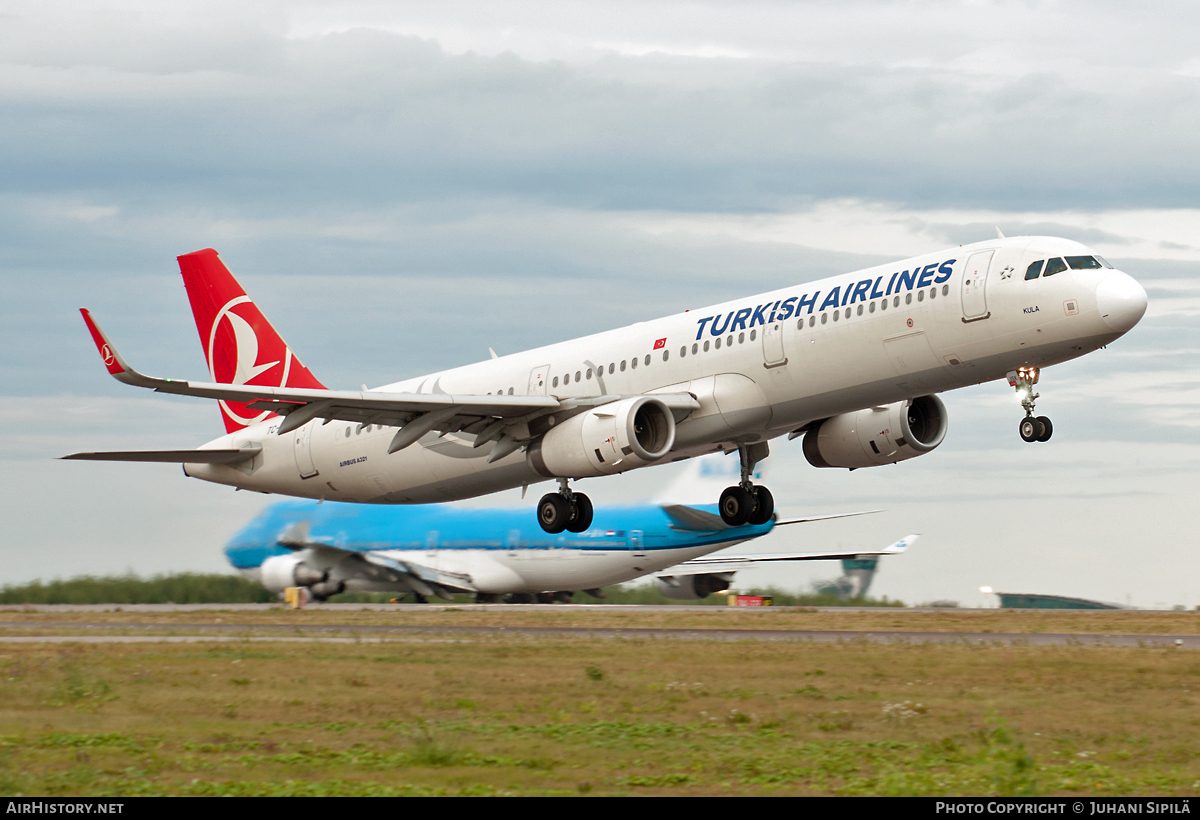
502, 550
760, 367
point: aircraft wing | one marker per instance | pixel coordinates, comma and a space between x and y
488, 417
692, 519
732, 563
376, 567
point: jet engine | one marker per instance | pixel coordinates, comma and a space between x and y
877, 435
282, 571
612, 438
693, 587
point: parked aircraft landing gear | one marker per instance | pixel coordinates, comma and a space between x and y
746, 503
564, 510
1032, 428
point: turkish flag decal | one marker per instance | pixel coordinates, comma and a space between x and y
660, 344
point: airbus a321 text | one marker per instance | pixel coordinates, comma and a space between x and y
852, 363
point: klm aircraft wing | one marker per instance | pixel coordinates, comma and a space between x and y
692, 519
374, 566
488, 417
732, 563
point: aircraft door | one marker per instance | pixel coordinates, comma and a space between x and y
974, 286
773, 345
538, 377
303, 448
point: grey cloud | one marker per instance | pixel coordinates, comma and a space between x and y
365, 117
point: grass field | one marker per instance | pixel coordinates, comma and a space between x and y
516, 715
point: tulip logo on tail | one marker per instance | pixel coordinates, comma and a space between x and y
234, 356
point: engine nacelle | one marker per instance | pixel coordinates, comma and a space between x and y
877, 435
694, 587
609, 439
282, 571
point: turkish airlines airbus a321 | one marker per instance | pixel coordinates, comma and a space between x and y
853, 363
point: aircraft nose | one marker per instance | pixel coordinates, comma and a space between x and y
1121, 301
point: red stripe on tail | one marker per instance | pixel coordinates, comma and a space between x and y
240, 346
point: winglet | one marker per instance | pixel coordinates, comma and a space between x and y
112, 359
901, 545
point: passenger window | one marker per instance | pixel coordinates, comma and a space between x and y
718, 343
666, 355
860, 310
883, 305
347, 432
577, 377
555, 382
908, 298
836, 314
753, 334
729, 341
1083, 262
647, 360
896, 302
800, 324
920, 296
945, 290
741, 338
1034, 270
510, 391
872, 307
705, 345
812, 320
622, 365
824, 318
683, 351
1055, 266
695, 348
611, 367
933, 293
588, 374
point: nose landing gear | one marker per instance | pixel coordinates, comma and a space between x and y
564, 510
1032, 428
747, 503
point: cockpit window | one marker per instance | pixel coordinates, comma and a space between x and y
1055, 266
1035, 270
1103, 261
1083, 262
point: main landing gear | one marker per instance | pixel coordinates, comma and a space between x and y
564, 510
1032, 428
746, 503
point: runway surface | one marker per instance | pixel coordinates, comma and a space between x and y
334, 633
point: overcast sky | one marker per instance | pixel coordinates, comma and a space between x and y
401, 186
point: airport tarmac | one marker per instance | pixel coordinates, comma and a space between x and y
340, 633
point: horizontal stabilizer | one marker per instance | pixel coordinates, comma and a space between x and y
171, 456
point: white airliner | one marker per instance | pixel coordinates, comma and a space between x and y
853, 363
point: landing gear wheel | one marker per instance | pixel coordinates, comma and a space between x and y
764, 506
581, 506
737, 505
554, 512
1047, 428
1030, 429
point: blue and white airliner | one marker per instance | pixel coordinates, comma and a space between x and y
852, 363
498, 554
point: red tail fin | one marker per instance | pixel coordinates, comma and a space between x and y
239, 343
